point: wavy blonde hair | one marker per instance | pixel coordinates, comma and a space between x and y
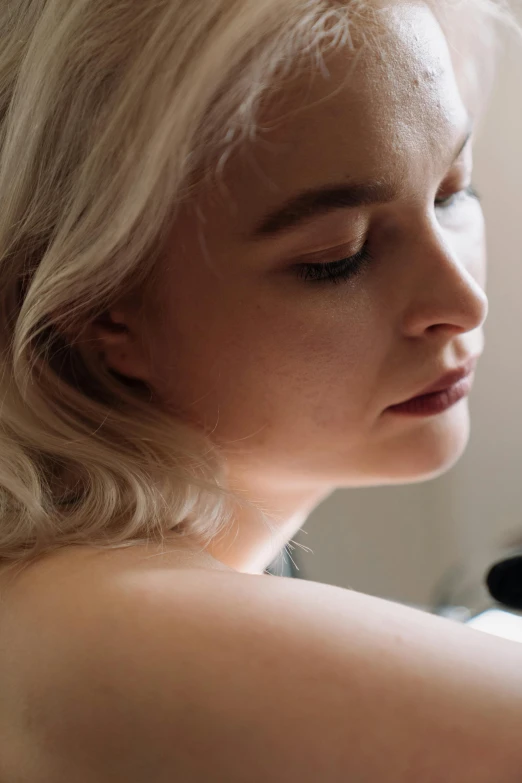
109, 112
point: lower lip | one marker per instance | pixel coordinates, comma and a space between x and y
437, 402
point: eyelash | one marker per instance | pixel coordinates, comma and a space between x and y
445, 203
335, 271
338, 271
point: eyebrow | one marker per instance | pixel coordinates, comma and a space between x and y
319, 201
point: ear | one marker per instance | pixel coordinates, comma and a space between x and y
117, 337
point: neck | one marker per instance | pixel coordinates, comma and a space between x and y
250, 544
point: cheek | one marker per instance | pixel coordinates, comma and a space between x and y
319, 332
273, 357
308, 363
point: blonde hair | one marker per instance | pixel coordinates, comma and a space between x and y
108, 111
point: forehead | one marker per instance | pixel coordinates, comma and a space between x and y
389, 109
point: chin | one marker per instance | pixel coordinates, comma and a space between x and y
424, 450
438, 445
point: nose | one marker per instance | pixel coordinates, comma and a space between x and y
446, 298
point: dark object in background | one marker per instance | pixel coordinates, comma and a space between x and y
504, 582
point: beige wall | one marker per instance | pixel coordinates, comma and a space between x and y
399, 542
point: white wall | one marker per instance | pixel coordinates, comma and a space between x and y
399, 542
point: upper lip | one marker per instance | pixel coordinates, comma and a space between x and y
449, 378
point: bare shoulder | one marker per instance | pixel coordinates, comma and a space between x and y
196, 675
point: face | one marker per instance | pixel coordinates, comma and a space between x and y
336, 269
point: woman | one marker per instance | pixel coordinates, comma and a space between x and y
242, 264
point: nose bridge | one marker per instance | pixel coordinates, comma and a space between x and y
445, 294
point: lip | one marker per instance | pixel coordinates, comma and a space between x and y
450, 378
445, 392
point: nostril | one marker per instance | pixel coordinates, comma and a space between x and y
447, 329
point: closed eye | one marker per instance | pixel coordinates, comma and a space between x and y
451, 200
335, 271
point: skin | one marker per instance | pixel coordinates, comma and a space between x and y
293, 380
293, 377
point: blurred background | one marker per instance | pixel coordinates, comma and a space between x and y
430, 545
